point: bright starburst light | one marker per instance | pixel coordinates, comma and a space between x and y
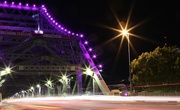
122, 30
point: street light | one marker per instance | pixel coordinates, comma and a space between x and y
32, 91
90, 72
39, 89
126, 34
6, 71
49, 86
66, 84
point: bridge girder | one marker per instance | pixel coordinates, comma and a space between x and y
56, 50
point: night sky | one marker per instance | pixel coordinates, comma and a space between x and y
155, 20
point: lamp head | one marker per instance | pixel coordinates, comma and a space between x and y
125, 32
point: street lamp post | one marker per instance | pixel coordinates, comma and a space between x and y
65, 84
126, 34
32, 90
49, 87
3, 73
39, 89
65, 80
91, 73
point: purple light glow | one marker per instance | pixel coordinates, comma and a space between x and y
38, 32
45, 9
126, 94
81, 35
54, 23
44, 12
100, 65
94, 56
90, 49
19, 6
86, 42
61, 28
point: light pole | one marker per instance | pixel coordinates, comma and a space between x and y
91, 73
126, 34
65, 80
65, 83
6, 71
39, 89
32, 90
49, 87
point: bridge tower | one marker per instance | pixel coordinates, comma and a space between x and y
34, 45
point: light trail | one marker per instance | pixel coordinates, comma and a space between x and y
99, 98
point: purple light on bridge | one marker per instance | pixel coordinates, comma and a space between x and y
62, 28
69, 32
53, 22
100, 65
44, 12
86, 42
19, 6
94, 56
81, 35
12, 3
42, 6
90, 49
38, 31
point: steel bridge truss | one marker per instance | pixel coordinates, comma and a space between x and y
32, 42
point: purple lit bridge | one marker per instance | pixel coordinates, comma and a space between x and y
37, 48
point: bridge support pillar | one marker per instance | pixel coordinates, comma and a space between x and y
79, 82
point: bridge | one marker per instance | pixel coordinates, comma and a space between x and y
42, 56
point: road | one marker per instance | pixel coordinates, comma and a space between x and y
81, 103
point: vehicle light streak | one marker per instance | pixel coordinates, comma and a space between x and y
98, 98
